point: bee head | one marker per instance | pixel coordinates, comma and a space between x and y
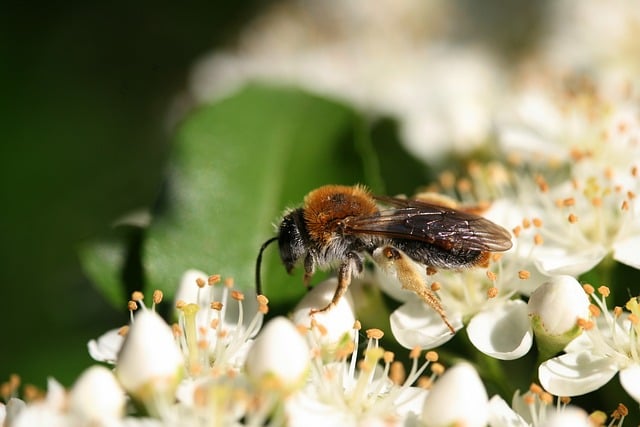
290, 239
291, 243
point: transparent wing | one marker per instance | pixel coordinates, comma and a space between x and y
438, 225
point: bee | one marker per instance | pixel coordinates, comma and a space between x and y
337, 226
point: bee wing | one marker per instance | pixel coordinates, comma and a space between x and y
438, 225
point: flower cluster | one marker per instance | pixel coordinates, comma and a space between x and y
560, 132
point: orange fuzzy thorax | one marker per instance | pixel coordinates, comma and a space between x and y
327, 205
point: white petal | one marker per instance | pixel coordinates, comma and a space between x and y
502, 332
630, 380
149, 354
414, 324
501, 415
626, 251
458, 397
188, 289
554, 261
106, 347
575, 374
410, 401
96, 396
278, 353
571, 416
338, 321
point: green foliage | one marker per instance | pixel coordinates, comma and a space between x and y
236, 165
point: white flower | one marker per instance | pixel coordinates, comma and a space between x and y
535, 408
97, 397
554, 308
346, 391
589, 208
609, 344
607, 32
107, 346
443, 94
50, 411
336, 323
498, 325
457, 398
217, 322
150, 364
278, 360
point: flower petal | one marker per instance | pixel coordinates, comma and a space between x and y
626, 251
571, 416
630, 380
502, 332
338, 321
575, 374
556, 261
415, 325
106, 347
458, 397
501, 415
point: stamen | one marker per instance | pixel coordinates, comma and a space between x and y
157, 296
397, 374
524, 274
492, 292
200, 282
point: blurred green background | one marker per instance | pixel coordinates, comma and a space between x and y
85, 93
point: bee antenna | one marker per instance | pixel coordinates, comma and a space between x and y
259, 262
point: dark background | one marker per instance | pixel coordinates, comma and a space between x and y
85, 94
86, 89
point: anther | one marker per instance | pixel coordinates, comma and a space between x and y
492, 292
200, 282
374, 333
157, 296
213, 279
524, 274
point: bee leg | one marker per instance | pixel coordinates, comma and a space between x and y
392, 259
309, 269
353, 263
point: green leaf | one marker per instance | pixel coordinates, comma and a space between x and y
236, 165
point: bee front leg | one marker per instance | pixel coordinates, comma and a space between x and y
353, 264
309, 269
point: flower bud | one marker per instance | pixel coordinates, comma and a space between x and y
150, 363
96, 396
337, 323
278, 361
554, 308
458, 397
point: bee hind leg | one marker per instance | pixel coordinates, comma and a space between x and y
353, 264
390, 258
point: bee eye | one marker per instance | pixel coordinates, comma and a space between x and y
290, 241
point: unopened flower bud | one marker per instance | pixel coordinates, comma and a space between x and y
96, 397
150, 364
278, 361
457, 398
554, 308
